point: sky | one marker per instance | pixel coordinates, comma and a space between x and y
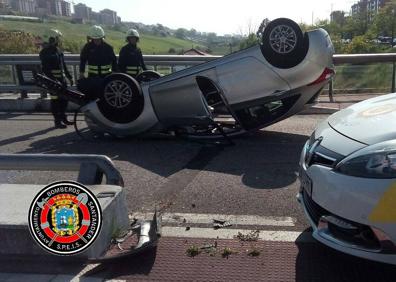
220, 16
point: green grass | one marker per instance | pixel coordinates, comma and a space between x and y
377, 76
75, 36
6, 75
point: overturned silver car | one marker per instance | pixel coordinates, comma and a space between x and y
243, 91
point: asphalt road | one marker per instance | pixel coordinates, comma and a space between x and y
257, 176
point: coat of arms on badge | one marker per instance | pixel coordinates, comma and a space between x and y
65, 218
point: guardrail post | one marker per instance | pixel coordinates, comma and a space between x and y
14, 77
393, 77
331, 98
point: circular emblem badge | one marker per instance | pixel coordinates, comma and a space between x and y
379, 110
65, 218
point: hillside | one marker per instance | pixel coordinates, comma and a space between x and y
75, 36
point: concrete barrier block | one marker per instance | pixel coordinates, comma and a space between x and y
15, 238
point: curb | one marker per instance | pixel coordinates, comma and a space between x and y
318, 110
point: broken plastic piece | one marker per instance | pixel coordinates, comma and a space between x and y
148, 238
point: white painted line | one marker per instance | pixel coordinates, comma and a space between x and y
192, 218
209, 233
85, 270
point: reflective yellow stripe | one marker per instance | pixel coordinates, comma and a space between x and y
53, 97
57, 73
132, 70
106, 69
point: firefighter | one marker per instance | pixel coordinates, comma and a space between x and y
53, 66
131, 59
97, 55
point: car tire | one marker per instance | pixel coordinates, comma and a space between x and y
283, 43
121, 100
147, 76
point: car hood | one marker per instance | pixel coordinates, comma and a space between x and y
369, 122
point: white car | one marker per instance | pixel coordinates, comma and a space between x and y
348, 180
247, 90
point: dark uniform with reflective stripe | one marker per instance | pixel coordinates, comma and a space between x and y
53, 65
131, 60
100, 60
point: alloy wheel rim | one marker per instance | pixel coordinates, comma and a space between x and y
118, 94
283, 39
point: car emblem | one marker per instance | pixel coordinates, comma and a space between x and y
311, 150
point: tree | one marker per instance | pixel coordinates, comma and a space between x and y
385, 23
192, 33
360, 45
261, 28
181, 33
211, 38
250, 41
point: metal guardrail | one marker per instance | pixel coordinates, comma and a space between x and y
172, 61
73, 61
91, 167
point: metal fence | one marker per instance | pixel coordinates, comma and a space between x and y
16, 70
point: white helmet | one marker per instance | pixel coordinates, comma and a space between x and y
53, 33
133, 33
96, 32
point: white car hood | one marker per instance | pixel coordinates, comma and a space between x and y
368, 122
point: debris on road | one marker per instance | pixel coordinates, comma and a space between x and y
227, 252
193, 251
217, 224
250, 237
254, 253
210, 249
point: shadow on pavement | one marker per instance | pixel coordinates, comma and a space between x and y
40, 265
138, 265
317, 262
264, 159
25, 137
9, 116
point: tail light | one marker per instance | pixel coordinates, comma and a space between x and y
326, 74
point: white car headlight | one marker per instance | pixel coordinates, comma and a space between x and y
376, 161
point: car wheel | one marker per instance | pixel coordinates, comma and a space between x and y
147, 76
284, 44
121, 100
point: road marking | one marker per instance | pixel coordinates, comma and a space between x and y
79, 276
227, 234
248, 220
